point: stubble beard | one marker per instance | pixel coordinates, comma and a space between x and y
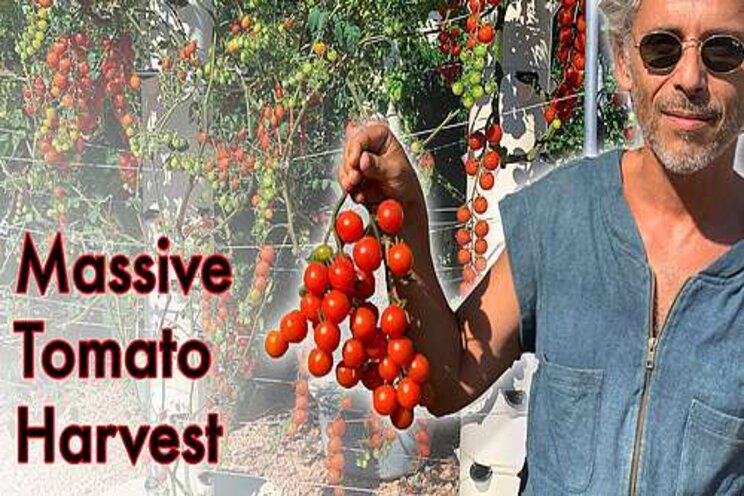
697, 152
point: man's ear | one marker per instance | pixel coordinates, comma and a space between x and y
620, 55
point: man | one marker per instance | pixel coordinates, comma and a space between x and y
624, 273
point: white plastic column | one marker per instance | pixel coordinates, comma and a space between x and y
591, 79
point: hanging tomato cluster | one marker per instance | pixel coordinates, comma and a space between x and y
337, 286
484, 159
571, 45
334, 462
302, 403
469, 49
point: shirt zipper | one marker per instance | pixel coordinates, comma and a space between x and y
651, 345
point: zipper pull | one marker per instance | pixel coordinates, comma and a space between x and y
651, 353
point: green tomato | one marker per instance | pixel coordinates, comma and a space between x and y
458, 88
479, 63
474, 78
557, 124
332, 55
480, 50
417, 147
307, 68
477, 92
468, 101
322, 254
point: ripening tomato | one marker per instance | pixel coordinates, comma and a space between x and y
335, 306
480, 205
349, 226
327, 336
402, 418
486, 181
390, 216
394, 321
342, 275
480, 247
316, 278
408, 393
319, 362
310, 305
384, 399
388, 369
346, 376
276, 345
363, 323
471, 167
476, 141
353, 353
494, 134
481, 229
419, 369
368, 254
400, 259
401, 351
293, 326
463, 214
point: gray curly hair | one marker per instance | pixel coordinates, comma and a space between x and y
619, 16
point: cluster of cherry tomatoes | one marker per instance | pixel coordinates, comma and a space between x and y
336, 286
484, 159
334, 461
571, 44
302, 403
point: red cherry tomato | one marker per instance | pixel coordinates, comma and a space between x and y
394, 321
353, 353
419, 369
365, 285
408, 393
384, 399
275, 344
342, 275
400, 259
371, 377
390, 216
376, 347
402, 418
319, 363
388, 369
335, 306
346, 376
401, 351
293, 326
363, 323
310, 305
327, 336
368, 254
316, 278
349, 226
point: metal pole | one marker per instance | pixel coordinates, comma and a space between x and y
591, 79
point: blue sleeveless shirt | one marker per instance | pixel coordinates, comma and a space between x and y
613, 410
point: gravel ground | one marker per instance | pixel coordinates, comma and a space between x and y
294, 464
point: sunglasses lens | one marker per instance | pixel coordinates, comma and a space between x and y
723, 53
660, 51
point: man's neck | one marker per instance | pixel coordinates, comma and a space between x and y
710, 201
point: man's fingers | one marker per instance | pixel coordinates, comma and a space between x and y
371, 138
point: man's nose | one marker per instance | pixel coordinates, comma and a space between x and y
691, 76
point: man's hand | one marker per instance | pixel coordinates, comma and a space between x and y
375, 167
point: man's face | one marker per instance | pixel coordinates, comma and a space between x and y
688, 115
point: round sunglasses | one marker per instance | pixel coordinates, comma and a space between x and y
662, 50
